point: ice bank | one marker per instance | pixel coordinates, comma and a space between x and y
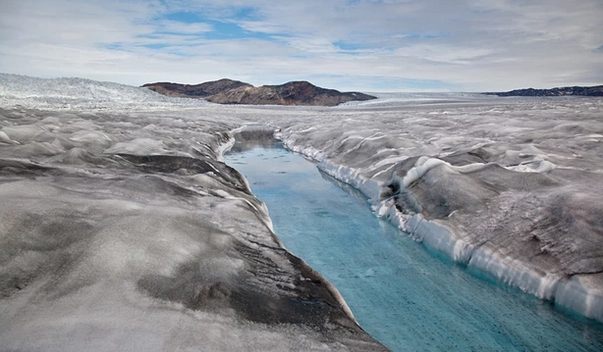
503, 200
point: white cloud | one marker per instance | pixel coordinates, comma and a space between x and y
183, 28
465, 45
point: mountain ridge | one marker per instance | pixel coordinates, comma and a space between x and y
227, 91
589, 91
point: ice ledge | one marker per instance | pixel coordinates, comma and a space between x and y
580, 293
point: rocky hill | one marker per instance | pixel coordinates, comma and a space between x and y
201, 90
594, 91
226, 91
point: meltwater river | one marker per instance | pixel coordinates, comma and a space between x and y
404, 296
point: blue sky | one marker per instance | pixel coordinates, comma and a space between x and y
367, 45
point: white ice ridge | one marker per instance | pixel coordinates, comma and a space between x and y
576, 292
79, 93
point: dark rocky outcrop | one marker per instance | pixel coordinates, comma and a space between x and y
291, 93
227, 91
201, 90
594, 91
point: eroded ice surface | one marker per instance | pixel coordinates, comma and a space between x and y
79, 93
401, 294
511, 186
122, 232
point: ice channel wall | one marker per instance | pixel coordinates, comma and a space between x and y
253, 133
577, 293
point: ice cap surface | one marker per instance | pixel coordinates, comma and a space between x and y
512, 187
122, 231
79, 93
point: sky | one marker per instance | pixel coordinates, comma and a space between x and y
366, 45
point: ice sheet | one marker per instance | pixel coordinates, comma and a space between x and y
123, 231
101, 181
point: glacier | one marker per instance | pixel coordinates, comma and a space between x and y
405, 296
120, 225
123, 231
510, 187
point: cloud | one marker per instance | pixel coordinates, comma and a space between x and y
367, 45
183, 28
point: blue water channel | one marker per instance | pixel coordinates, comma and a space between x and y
401, 294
